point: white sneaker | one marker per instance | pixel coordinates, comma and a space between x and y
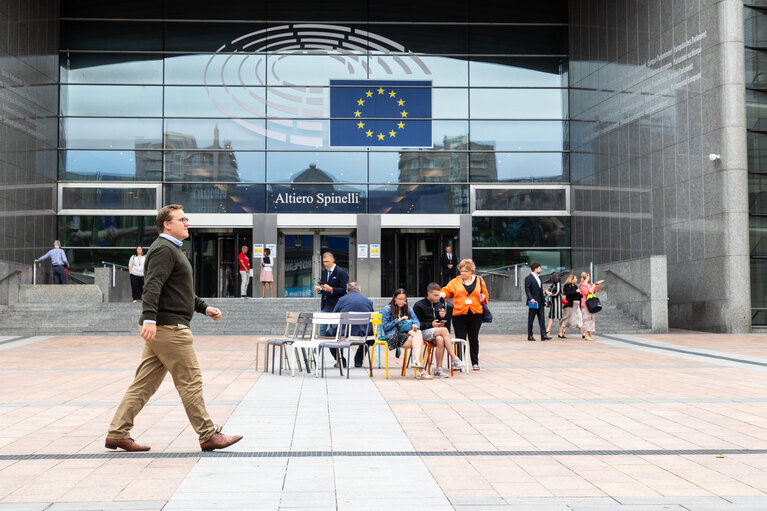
441, 373
457, 363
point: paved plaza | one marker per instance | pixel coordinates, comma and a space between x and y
657, 422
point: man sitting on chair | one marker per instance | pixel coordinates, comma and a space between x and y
355, 301
434, 314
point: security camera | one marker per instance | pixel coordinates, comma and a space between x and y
714, 157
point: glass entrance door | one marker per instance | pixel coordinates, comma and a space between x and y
411, 259
300, 254
214, 262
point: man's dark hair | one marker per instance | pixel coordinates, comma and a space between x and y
164, 215
534, 266
433, 287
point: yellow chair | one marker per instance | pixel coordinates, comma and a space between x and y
380, 342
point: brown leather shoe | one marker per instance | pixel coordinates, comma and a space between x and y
126, 444
219, 441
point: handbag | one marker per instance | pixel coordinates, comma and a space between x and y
487, 315
405, 326
593, 304
564, 301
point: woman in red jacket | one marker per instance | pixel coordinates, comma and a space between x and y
469, 293
587, 288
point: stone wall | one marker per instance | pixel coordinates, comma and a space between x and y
657, 86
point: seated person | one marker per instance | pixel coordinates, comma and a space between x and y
354, 301
435, 314
402, 330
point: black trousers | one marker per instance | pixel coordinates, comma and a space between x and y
447, 277
467, 327
59, 274
531, 314
136, 286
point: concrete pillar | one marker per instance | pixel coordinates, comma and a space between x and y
369, 269
265, 232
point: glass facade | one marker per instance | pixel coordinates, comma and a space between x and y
233, 115
756, 100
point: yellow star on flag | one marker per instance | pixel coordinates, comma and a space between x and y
380, 136
357, 113
369, 93
392, 94
401, 102
360, 102
369, 133
392, 133
401, 125
380, 91
404, 113
360, 124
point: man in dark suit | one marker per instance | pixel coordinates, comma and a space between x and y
332, 286
447, 262
534, 292
355, 301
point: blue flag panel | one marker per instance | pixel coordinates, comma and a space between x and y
380, 113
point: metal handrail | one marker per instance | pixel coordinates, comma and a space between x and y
115, 267
13, 273
629, 283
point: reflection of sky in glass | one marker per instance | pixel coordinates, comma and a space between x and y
127, 71
111, 163
111, 100
339, 166
229, 133
102, 133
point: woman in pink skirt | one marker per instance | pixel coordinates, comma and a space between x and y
587, 288
266, 274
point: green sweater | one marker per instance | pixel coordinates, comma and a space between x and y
168, 296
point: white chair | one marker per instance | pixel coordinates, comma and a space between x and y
313, 343
464, 350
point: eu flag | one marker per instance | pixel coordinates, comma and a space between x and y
374, 113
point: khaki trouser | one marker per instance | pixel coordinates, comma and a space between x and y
171, 351
244, 279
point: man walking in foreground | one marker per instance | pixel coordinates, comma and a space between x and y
168, 306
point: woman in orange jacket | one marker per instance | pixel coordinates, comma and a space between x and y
468, 292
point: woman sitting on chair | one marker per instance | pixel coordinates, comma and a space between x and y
402, 330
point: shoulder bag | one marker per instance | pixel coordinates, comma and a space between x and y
487, 316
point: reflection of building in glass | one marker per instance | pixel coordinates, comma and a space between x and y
447, 163
313, 190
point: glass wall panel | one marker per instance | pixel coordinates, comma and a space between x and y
217, 166
290, 69
216, 69
419, 167
442, 71
759, 291
756, 68
757, 152
316, 167
450, 103
551, 11
217, 198
496, 166
518, 104
415, 198
111, 35
107, 231
316, 198
212, 134
550, 260
236, 102
111, 68
416, 38
755, 23
518, 199
757, 194
111, 100
110, 165
518, 72
109, 198
101, 133
518, 40
426, 10
552, 231
517, 135
204, 37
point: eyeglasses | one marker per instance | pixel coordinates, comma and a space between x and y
183, 220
